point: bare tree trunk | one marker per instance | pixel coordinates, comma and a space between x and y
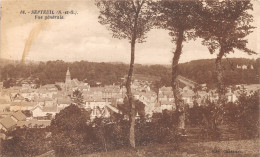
220, 81
130, 97
221, 92
128, 89
175, 61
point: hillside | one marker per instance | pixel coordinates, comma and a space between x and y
201, 71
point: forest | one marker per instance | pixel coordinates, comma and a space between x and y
201, 71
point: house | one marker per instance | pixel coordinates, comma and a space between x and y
15, 106
99, 111
239, 67
244, 67
232, 97
99, 108
43, 111
157, 108
18, 116
4, 96
167, 105
92, 103
186, 81
4, 106
63, 103
34, 123
204, 86
7, 124
5, 114
187, 96
22, 106
27, 105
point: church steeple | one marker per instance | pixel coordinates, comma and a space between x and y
68, 78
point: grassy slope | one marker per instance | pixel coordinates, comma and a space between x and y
246, 147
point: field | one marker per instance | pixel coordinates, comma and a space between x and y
243, 148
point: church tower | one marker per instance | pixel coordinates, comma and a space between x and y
67, 80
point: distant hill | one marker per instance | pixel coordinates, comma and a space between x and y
201, 71
4, 62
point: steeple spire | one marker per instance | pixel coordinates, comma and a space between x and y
68, 78
68, 72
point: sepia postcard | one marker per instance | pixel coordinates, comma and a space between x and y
129, 78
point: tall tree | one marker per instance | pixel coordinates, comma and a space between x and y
77, 98
223, 27
179, 18
131, 20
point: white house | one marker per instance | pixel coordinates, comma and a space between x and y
42, 111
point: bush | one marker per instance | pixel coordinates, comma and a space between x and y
71, 134
164, 126
248, 115
25, 142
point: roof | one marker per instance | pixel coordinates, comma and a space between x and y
7, 122
64, 101
58, 95
117, 96
94, 99
5, 113
15, 103
165, 88
43, 99
19, 116
96, 89
34, 122
112, 108
75, 82
167, 103
157, 104
28, 104
52, 108
186, 81
3, 101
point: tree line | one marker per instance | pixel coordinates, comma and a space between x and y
109, 73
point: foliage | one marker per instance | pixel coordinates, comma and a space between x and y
58, 87
121, 16
71, 135
109, 73
228, 26
164, 126
207, 117
70, 118
177, 16
224, 26
244, 114
25, 142
112, 133
77, 98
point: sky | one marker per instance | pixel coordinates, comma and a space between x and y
82, 37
